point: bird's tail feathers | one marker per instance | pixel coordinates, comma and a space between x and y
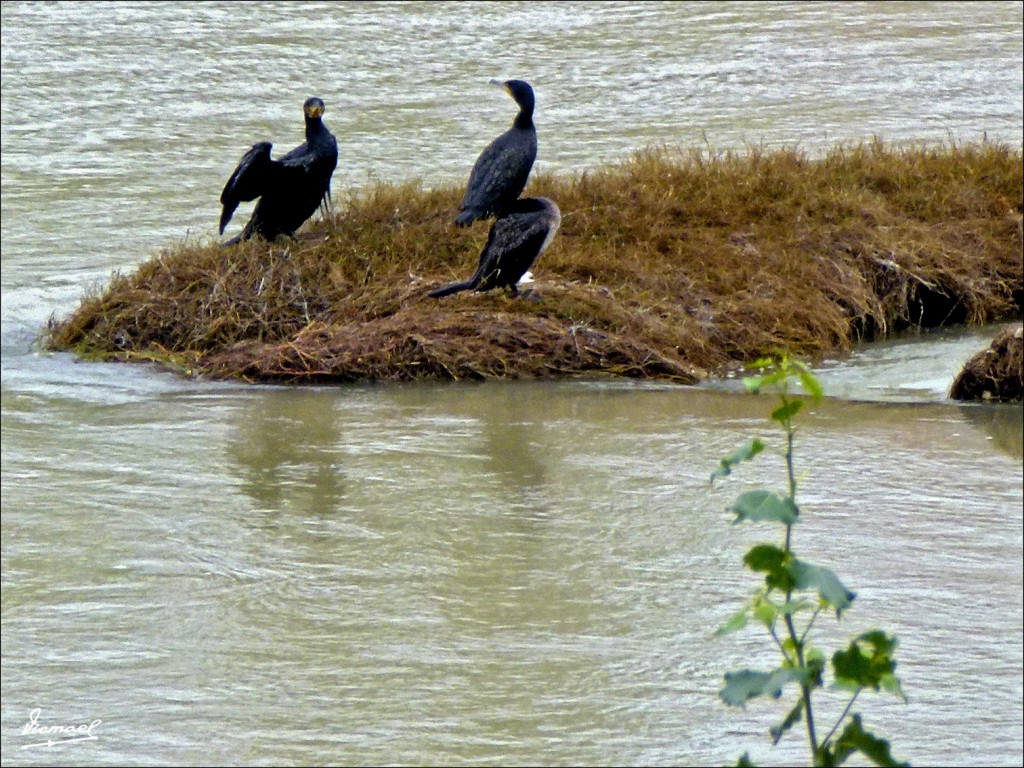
465, 285
467, 217
227, 213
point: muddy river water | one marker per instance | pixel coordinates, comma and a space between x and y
505, 573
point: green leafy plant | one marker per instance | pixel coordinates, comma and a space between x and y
794, 594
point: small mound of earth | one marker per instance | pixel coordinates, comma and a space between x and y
995, 374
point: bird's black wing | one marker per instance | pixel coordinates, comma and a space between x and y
499, 175
298, 157
258, 175
247, 182
310, 164
513, 244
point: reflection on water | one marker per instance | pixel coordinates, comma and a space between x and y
285, 452
1003, 424
509, 437
522, 573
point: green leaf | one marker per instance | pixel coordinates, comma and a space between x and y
815, 665
809, 381
747, 684
774, 563
868, 663
814, 656
734, 623
786, 573
855, 739
794, 717
824, 581
854, 667
761, 362
753, 383
881, 642
744, 761
787, 411
764, 557
743, 453
891, 684
758, 506
756, 383
766, 612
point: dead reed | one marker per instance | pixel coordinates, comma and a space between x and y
996, 373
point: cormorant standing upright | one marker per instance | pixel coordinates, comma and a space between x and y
500, 173
290, 189
518, 236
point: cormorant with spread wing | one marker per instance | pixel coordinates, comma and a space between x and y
518, 236
290, 189
500, 173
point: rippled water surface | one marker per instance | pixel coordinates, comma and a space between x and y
508, 573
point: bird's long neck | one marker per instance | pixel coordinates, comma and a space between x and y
314, 128
525, 117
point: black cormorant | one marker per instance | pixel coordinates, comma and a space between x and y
500, 173
290, 189
518, 236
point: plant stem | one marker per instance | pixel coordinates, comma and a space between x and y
790, 431
842, 716
775, 637
798, 642
804, 687
810, 623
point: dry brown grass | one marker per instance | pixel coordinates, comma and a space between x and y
672, 264
996, 373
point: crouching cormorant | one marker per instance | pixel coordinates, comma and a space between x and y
290, 189
518, 236
500, 173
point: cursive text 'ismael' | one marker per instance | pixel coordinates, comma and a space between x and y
58, 733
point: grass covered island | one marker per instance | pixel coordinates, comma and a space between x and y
674, 264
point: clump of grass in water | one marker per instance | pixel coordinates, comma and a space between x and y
996, 373
673, 264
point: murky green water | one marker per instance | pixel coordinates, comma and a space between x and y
508, 573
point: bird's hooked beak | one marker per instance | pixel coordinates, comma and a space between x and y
501, 84
314, 110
